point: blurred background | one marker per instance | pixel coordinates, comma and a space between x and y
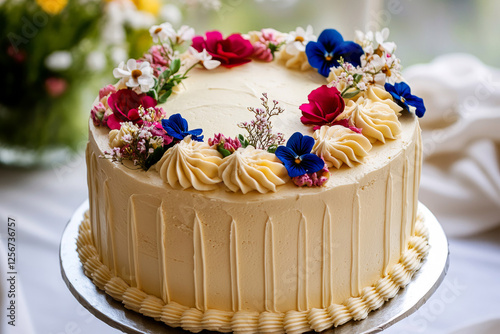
56, 54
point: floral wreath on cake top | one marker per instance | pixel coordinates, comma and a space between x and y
360, 103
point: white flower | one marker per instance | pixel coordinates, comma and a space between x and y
135, 75
365, 40
205, 58
297, 40
162, 33
59, 61
185, 33
381, 37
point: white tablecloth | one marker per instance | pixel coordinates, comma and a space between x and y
460, 184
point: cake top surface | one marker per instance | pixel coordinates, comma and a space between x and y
258, 112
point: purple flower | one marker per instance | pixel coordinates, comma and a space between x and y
401, 93
297, 156
330, 47
177, 127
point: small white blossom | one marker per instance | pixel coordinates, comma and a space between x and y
185, 33
162, 33
297, 40
381, 37
205, 58
135, 75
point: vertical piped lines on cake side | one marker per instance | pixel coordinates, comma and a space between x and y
416, 180
235, 273
388, 222
195, 320
133, 247
162, 252
302, 299
269, 269
355, 236
326, 266
200, 285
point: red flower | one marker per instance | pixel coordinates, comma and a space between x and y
232, 51
124, 104
325, 104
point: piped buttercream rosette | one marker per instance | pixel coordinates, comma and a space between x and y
190, 164
377, 120
249, 169
339, 145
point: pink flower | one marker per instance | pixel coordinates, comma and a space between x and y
317, 179
124, 104
325, 104
157, 130
105, 91
232, 51
262, 52
344, 122
229, 144
158, 62
98, 114
55, 86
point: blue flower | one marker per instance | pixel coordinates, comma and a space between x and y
297, 156
177, 127
402, 95
326, 52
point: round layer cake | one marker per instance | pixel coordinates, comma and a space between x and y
290, 258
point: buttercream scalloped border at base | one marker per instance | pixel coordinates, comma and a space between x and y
194, 320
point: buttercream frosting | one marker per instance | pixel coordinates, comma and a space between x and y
190, 164
339, 145
250, 169
377, 120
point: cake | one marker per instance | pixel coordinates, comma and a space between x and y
304, 218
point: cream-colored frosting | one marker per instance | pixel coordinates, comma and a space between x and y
377, 120
287, 260
377, 93
190, 164
116, 136
339, 145
317, 319
249, 169
298, 61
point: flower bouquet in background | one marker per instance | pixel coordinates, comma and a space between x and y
54, 53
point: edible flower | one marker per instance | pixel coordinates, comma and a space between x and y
401, 93
232, 51
134, 74
325, 105
317, 179
204, 58
177, 127
225, 145
297, 40
125, 104
329, 49
297, 156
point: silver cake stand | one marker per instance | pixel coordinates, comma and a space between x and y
424, 283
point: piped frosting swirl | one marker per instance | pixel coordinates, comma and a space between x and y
377, 120
190, 164
250, 169
338, 145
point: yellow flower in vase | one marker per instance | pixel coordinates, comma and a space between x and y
52, 6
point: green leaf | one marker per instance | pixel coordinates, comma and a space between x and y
175, 66
223, 151
272, 148
348, 95
164, 75
244, 142
357, 77
154, 157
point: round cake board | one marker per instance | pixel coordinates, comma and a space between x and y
424, 283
